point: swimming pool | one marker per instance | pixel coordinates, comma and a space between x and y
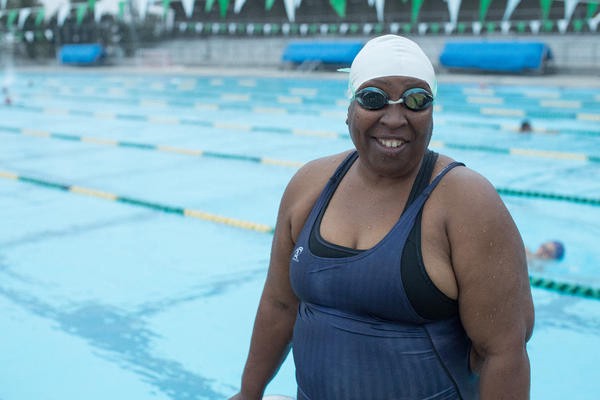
137, 211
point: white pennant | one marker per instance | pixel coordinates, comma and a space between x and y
63, 13
110, 7
188, 7
142, 8
569, 8
290, 9
23, 14
379, 5
453, 7
510, 7
237, 6
51, 7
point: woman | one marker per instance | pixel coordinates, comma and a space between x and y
395, 272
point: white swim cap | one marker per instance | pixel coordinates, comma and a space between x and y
390, 55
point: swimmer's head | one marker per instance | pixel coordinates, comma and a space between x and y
552, 250
390, 55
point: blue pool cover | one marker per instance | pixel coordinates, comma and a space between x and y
81, 54
496, 56
341, 53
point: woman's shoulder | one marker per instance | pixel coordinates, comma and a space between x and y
463, 185
462, 174
318, 171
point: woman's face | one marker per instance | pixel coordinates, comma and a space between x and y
391, 141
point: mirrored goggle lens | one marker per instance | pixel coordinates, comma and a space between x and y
372, 98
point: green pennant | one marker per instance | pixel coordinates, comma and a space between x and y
545, 4
484, 6
269, 4
416, 9
81, 11
39, 18
166, 4
92, 5
339, 6
591, 10
223, 5
121, 9
209, 5
12, 17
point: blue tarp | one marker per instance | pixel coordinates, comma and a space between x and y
340, 53
81, 54
496, 56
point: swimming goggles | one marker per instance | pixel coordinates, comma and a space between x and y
372, 98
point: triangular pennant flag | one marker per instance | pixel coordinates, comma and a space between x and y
92, 4
51, 7
209, 5
81, 11
63, 13
416, 9
484, 5
223, 6
453, 8
510, 7
379, 5
166, 5
290, 9
339, 7
269, 4
142, 8
592, 7
535, 26
570, 6
23, 14
12, 17
237, 6
188, 7
121, 13
3, 5
545, 4
39, 18
562, 24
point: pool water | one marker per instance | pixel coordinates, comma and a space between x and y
117, 294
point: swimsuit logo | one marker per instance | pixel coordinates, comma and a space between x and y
297, 254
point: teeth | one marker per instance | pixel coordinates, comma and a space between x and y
391, 142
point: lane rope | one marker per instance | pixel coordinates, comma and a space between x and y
542, 283
533, 153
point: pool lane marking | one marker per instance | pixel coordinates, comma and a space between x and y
559, 155
162, 148
295, 164
100, 194
542, 283
273, 110
550, 154
588, 117
325, 134
565, 288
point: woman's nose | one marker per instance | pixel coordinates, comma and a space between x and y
394, 115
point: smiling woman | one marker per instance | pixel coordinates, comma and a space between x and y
370, 248
133, 252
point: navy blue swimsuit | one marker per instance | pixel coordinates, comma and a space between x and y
357, 335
